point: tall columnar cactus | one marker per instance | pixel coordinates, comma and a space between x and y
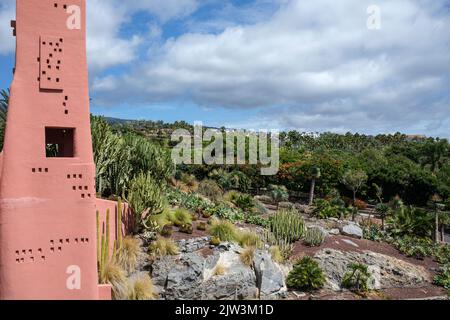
104, 238
288, 225
104, 249
99, 248
119, 224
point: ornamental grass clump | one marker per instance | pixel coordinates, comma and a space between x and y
163, 247
223, 230
142, 289
127, 254
249, 239
247, 256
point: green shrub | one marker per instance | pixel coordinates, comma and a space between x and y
259, 208
235, 180
279, 193
258, 221
374, 233
442, 254
223, 230
410, 221
443, 277
222, 211
245, 202
314, 237
210, 189
356, 278
288, 225
324, 209
415, 247
306, 275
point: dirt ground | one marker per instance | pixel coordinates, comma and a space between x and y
338, 243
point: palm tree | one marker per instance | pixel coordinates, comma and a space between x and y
434, 153
437, 206
4, 103
315, 174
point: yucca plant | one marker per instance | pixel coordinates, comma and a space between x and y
357, 278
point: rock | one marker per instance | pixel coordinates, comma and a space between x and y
350, 242
185, 277
387, 271
352, 230
269, 276
192, 245
190, 276
238, 281
335, 232
286, 205
161, 269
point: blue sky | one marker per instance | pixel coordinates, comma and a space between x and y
260, 64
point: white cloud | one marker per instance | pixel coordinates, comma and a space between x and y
106, 46
7, 13
310, 59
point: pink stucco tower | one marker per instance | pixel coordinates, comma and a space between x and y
47, 195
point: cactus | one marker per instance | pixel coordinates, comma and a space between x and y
314, 237
104, 238
287, 225
99, 247
119, 224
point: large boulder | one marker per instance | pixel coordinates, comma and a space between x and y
238, 281
190, 276
352, 230
269, 276
387, 271
185, 277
